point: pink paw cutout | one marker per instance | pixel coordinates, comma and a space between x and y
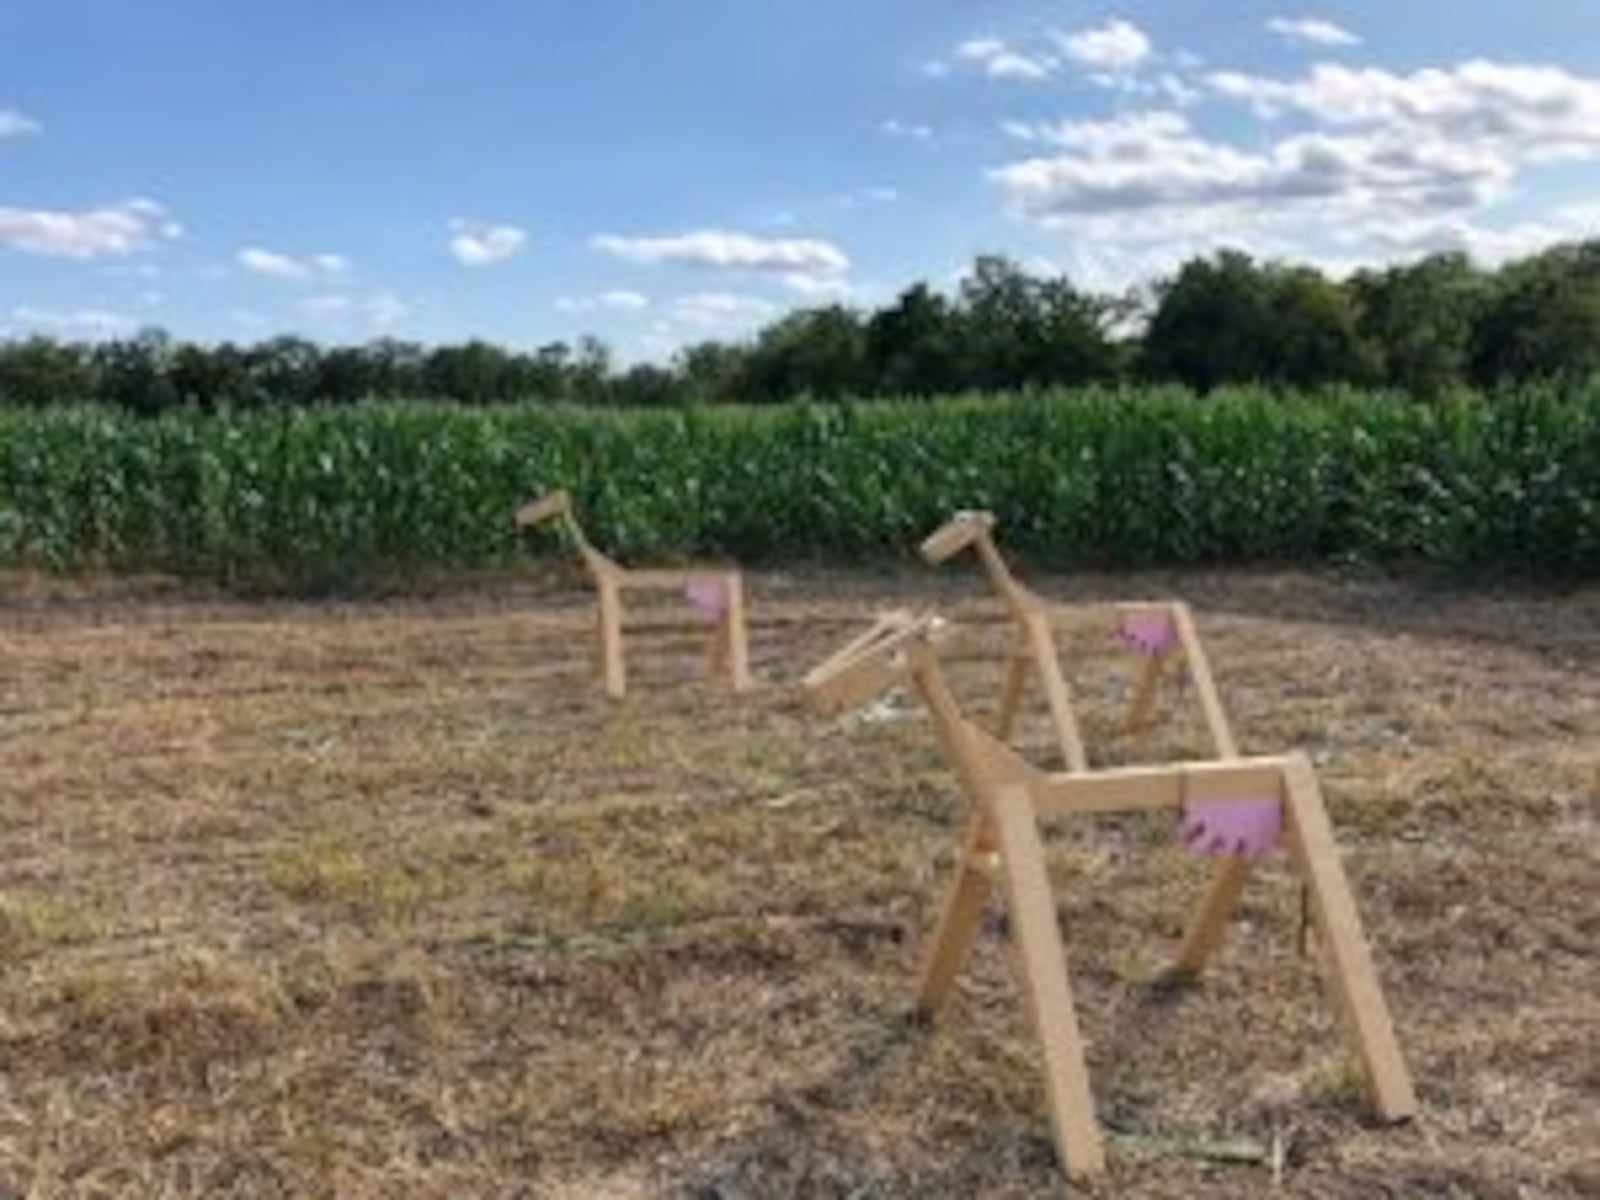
1250, 827
1149, 633
709, 597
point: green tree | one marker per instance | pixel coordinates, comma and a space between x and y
910, 346
40, 371
1543, 319
1417, 320
818, 352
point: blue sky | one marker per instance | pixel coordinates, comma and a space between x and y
660, 172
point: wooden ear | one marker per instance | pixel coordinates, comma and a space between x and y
864, 666
956, 534
552, 504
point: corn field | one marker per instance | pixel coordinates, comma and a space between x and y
332, 496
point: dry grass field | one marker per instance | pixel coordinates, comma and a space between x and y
383, 899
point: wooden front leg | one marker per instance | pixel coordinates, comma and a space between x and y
612, 668
1042, 967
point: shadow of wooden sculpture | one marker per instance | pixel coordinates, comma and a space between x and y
1163, 632
717, 594
1237, 807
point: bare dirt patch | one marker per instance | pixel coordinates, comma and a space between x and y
384, 899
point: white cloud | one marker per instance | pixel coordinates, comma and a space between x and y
377, 311
729, 250
1000, 61
90, 324
476, 244
385, 310
1427, 151
701, 315
1312, 31
14, 124
1523, 111
980, 49
1489, 244
721, 310
1379, 166
618, 301
906, 130
1115, 46
284, 266
1134, 133
819, 286
866, 197
325, 307
1150, 174
115, 230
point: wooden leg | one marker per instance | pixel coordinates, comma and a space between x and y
1139, 721
958, 925
1209, 926
738, 640
1205, 687
611, 665
719, 648
1043, 644
1346, 959
1011, 691
1042, 966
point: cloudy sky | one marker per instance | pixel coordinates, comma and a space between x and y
660, 172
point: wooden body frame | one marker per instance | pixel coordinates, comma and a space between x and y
1001, 849
1033, 649
730, 652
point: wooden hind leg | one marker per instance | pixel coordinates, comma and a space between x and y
958, 924
1346, 958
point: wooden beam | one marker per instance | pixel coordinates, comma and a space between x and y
1346, 958
1128, 789
955, 535
1042, 971
959, 918
733, 633
552, 504
1138, 722
1057, 697
1209, 925
1016, 682
1205, 686
612, 666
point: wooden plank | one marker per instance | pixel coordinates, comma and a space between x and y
1138, 722
1209, 925
1057, 697
959, 919
738, 638
1127, 789
864, 666
1346, 959
1016, 680
1042, 967
1020, 600
613, 668
955, 535
668, 578
552, 504
1205, 686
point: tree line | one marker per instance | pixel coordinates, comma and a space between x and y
1423, 328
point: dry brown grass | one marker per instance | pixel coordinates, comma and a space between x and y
383, 899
